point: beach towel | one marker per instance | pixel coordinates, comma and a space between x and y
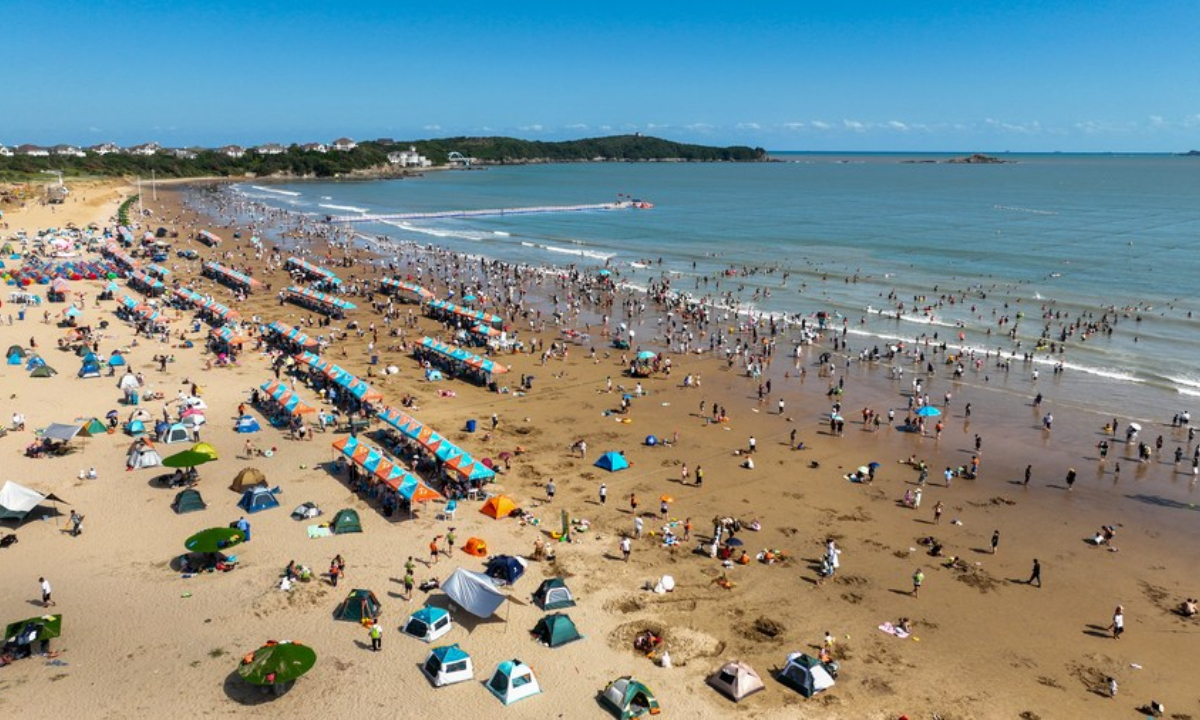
319, 531
891, 629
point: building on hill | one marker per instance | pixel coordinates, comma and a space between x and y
5, 152
233, 151
270, 149
344, 144
33, 151
409, 158
68, 151
183, 153
315, 147
107, 148
146, 149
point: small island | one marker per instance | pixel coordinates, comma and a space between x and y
977, 159
1190, 153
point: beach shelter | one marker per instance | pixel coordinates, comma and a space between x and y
248, 478
116, 359
556, 630
278, 664
629, 698
498, 507
186, 459
553, 594
247, 424
188, 501
476, 546
176, 433
735, 680
14, 358
37, 629
345, 521
806, 674
34, 362
15, 350
93, 427
505, 569
427, 624
90, 367
447, 665
61, 431
17, 501
612, 461
258, 499
214, 540
474, 592
142, 455
513, 681
359, 605
43, 371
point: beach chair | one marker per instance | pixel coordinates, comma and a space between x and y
450, 509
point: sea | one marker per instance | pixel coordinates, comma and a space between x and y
892, 248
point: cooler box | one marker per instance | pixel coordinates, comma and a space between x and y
471, 426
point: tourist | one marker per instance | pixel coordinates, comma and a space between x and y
917, 578
1036, 574
44, 584
1118, 623
626, 548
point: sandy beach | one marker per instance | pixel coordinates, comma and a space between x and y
139, 639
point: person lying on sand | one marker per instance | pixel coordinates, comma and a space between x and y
1187, 608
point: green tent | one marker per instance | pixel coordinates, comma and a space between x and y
629, 698
188, 501
556, 630
15, 350
93, 427
43, 371
553, 594
277, 663
48, 626
359, 605
214, 540
346, 521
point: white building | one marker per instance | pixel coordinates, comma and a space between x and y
344, 144
33, 151
270, 149
107, 148
315, 147
409, 158
233, 151
183, 153
68, 151
146, 149
5, 152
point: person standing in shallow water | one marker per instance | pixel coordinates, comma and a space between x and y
1070, 479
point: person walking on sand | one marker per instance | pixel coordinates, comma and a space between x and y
937, 512
638, 526
376, 636
334, 572
550, 489
1036, 574
1118, 623
633, 503
1112, 687
699, 476
1070, 479
47, 601
753, 443
243, 525
687, 529
409, 582
917, 578
603, 493
995, 540
495, 421
433, 550
626, 548
1028, 475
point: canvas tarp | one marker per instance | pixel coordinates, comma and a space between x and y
474, 592
17, 501
60, 431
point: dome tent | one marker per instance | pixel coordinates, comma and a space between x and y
556, 630
359, 605
447, 665
736, 680
513, 680
427, 624
257, 499
612, 462
188, 501
806, 674
553, 594
505, 569
247, 424
629, 698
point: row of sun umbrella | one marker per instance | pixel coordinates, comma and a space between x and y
206, 304
292, 333
121, 257
454, 457
463, 356
227, 274
415, 292
341, 377
157, 270
321, 299
230, 334
374, 461
285, 398
313, 270
137, 278
141, 310
478, 316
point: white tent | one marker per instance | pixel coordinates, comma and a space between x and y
447, 665
16, 500
474, 592
144, 458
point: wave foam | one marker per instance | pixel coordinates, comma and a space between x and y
277, 192
350, 208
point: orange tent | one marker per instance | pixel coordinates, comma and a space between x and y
476, 546
498, 507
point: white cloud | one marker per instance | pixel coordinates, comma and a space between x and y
821, 125
748, 126
606, 128
577, 126
656, 126
855, 125
94, 129
536, 127
699, 127
1029, 128
794, 126
432, 128
897, 125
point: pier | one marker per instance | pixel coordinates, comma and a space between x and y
542, 209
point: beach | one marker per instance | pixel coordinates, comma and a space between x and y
140, 639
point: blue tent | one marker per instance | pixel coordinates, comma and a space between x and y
505, 569
14, 359
117, 360
34, 362
90, 367
612, 461
257, 499
247, 424
135, 427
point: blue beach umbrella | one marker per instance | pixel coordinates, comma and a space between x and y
928, 411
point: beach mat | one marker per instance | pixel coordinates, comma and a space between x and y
319, 531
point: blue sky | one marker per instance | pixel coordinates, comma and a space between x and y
917, 75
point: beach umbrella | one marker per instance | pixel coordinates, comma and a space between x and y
277, 663
205, 449
214, 540
734, 542
928, 411
48, 627
666, 499
873, 465
186, 459
1135, 427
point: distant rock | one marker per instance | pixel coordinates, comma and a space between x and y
1191, 153
977, 159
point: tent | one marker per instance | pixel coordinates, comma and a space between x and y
505, 569
176, 433
447, 665
359, 605
247, 424
142, 455
305, 511
498, 507
43, 371
556, 630
46, 627
90, 367
14, 359
34, 362
345, 521
629, 698
612, 461
553, 594
93, 427
116, 360
135, 428
248, 478
735, 680
17, 501
257, 499
513, 681
188, 501
15, 350
473, 592
427, 624
806, 674
476, 546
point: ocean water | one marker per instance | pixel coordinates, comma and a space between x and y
855, 235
